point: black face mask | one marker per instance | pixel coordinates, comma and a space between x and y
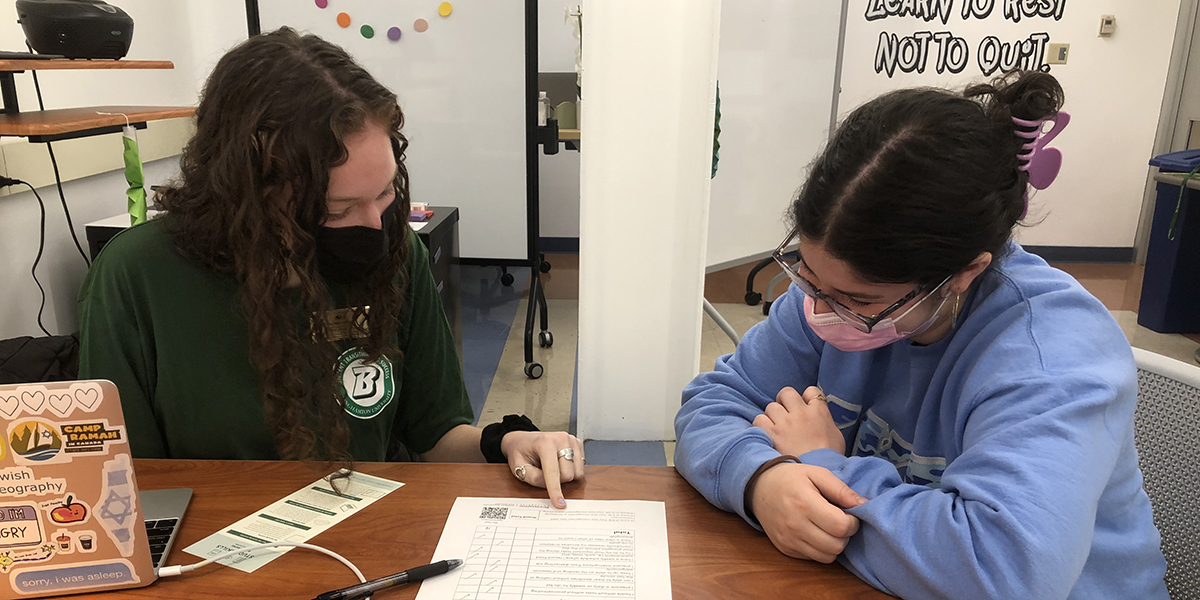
348, 254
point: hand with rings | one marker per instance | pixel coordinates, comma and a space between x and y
544, 459
801, 423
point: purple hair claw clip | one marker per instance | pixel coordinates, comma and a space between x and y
1040, 162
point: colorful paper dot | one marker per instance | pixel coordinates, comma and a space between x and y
367, 31
420, 25
444, 9
343, 19
394, 34
322, 3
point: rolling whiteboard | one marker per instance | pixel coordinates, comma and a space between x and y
461, 85
776, 67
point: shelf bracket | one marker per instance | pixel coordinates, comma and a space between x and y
8, 89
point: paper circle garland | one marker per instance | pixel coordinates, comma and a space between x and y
393, 33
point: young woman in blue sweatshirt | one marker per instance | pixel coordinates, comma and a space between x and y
973, 437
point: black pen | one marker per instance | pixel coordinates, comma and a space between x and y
412, 575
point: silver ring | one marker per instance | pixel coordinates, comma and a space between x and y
567, 453
520, 472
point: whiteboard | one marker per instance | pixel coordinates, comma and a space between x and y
461, 85
776, 69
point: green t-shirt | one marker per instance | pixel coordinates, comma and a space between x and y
170, 334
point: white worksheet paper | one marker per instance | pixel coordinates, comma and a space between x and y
298, 517
520, 549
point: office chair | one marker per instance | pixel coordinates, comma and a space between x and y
1165, 423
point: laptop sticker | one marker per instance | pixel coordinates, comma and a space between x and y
10, 405
35, 400
85, 541
67, 511
87, 396
91, 437
61, 403
36, 442
20, 526
50, 579
64, 542
116, 510
11, 558
20, 482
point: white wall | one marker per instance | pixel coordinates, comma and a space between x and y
193, 34
1114, 89
61, 270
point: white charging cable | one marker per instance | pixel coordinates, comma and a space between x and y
181, 569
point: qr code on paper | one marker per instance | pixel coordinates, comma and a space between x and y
493, 513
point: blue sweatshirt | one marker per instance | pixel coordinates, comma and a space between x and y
997, 462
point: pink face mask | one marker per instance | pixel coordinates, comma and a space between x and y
845, 337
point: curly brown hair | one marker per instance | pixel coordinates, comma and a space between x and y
272, 121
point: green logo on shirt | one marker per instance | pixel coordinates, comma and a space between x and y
367, 387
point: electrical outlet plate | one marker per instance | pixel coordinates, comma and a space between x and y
1108, 25
1056, 54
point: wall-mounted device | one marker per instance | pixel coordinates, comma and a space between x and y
1056, 54
76, 28
1108, 25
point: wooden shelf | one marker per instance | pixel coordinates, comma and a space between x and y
64, 64
568, 134
71, 120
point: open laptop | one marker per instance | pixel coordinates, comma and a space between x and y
71, 518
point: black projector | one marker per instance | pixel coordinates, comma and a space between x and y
76, 28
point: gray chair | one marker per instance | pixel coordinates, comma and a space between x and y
1165, 425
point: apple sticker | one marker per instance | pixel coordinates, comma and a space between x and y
68, 511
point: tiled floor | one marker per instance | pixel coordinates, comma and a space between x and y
494, 320
489, 312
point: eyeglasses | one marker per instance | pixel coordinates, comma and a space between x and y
859, 321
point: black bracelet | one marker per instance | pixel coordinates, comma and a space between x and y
489, 442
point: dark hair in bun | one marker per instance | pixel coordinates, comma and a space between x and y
916, 183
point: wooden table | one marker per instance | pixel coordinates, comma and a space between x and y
713, 554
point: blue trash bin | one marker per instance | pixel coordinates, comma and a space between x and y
1171, 288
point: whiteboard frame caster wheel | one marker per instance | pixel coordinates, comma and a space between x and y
534, 370
546, 339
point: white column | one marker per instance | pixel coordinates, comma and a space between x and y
649, 84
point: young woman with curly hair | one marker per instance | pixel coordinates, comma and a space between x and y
282, 307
